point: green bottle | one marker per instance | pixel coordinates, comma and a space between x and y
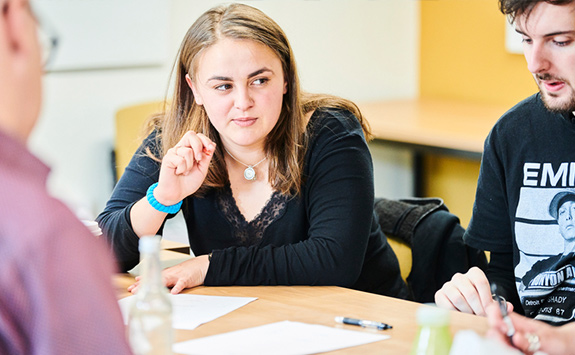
433, 335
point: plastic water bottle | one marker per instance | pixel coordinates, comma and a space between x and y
150, 317
433, 335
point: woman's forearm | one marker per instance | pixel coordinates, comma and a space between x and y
146, 220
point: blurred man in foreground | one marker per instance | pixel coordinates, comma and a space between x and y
55, 277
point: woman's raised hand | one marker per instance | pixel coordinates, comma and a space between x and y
184, 168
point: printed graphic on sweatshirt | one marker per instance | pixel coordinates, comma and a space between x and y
545, 236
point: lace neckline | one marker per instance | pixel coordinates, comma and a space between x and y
250, 233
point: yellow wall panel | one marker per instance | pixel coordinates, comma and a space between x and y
463, 57
463, 54
455, 181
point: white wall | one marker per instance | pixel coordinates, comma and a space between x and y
359, 49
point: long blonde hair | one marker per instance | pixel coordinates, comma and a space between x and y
286, 144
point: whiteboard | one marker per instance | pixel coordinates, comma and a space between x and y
96, 34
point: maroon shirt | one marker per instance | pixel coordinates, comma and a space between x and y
56, 295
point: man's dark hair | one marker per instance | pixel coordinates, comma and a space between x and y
514, 8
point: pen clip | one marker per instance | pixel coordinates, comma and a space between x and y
501, 301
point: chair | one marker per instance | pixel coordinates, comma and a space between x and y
129, 125
435, 239
403, 252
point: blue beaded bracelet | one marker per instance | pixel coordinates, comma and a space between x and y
173, 209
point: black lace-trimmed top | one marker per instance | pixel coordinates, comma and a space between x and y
327, 235
250, 233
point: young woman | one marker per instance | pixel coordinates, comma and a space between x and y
275, 186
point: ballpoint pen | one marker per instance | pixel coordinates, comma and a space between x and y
363, 323
503, 308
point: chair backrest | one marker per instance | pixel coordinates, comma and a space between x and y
403, 253
129, 125
436, 239
391, 214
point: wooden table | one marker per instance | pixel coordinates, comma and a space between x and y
443, 127
318, 305
450, 127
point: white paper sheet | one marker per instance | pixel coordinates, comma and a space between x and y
281, 338
190, 311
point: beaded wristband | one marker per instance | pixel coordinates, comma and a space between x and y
173, 209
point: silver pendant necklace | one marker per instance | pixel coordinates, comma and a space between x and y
249, 172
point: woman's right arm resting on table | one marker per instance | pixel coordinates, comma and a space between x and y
128, 215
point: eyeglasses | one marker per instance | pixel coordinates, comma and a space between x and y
46, 36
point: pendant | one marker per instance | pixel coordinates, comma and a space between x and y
250, 173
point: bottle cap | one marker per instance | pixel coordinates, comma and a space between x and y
432, 315
149, 244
